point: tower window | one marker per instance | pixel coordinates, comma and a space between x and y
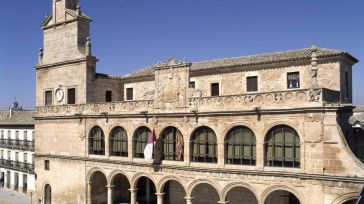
215, 89
46, 164
108, 96
252, 83
71, 96
192, 84
48, 98
293, 80
129, 94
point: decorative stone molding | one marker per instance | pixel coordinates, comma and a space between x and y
267, 100
298, 98
172, 62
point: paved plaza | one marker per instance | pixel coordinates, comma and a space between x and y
9, 197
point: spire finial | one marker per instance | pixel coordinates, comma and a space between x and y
314, 47
314, 69
40, 56
88, 47
78, 8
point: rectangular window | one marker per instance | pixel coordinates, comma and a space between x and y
16, 181
17, 135
347, 84
9, 134
2, 154
25, 136
46, 164
8, 174
129, 94
25, 183
9, 155
2, 134
252, 83
71, 96
48, 98
192, 84
108, 96
293, 80
25, 158
215, 89
16, 156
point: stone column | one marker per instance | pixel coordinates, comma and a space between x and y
160, 198
188, 200
88, 193
220, 154
259, 155
133, 195
109, 194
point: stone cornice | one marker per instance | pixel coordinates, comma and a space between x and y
351, 179
45, 66
199, 114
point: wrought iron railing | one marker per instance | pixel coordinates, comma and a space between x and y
23, 145
16, 165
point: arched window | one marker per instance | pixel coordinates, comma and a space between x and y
140, 141
96, 141
172, 144
204, 145
282, 147
47, 194
118, 142
240, 146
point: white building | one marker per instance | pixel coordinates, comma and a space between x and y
17, 149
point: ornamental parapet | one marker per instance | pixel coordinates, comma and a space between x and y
267, 100
262, 100
124, 107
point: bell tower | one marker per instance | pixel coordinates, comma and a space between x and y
65, 61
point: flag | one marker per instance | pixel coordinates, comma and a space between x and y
148, 150
179, 146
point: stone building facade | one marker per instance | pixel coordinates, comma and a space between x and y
17, 149
268, 128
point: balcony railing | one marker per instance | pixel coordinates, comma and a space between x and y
23, 145
298, 98
17, 166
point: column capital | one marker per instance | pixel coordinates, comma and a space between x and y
188, 198
159, 194
110, 186
132, 190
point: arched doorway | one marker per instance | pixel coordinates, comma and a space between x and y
174, 193
282, 147
240, 195
281, 197
204, 145
172, 144
98, 188
353, 201
47, 194
121, 188
140, 139
146, 191
204, 194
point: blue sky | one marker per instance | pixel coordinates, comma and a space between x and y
131, 34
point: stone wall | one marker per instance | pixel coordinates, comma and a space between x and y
141, 90
269, 80
66, 178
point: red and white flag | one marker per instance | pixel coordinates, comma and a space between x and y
148, 150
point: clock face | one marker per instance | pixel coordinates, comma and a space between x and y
59, 95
